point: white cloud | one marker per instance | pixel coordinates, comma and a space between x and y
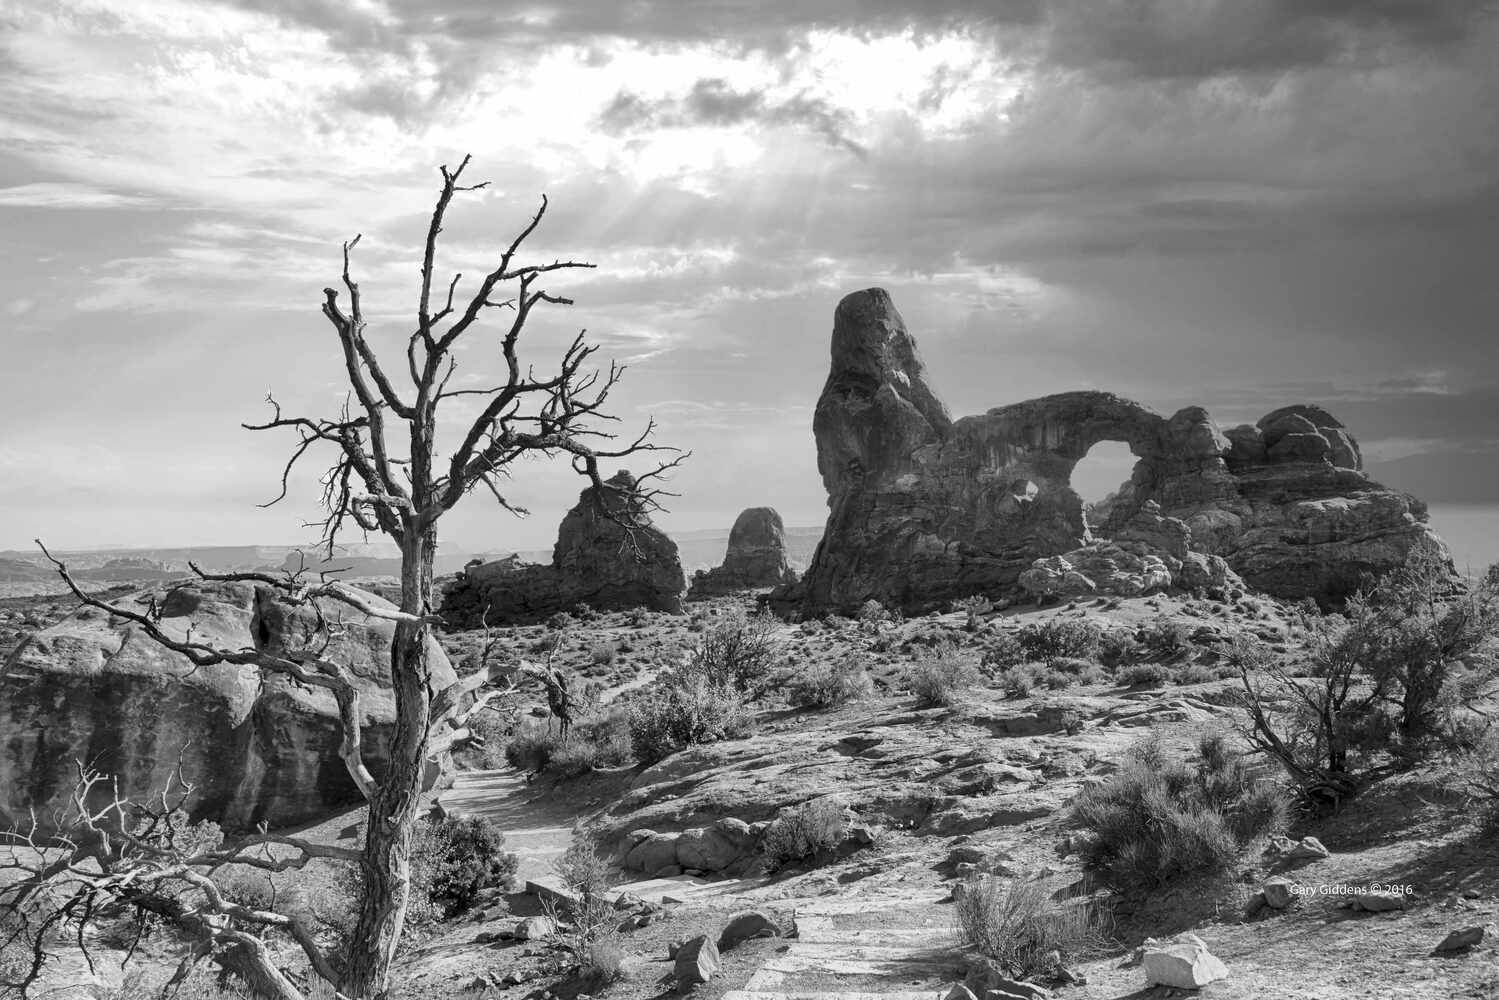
62, 194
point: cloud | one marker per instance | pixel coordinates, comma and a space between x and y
1208, 38
58, 194
713, 102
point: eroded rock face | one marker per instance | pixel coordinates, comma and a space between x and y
756, 557
97, 690
593, 563
924, 509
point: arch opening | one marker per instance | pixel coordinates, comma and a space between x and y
1098, 477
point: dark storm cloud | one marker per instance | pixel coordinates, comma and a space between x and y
1154, 38
750, 23
1206, 38
713, 102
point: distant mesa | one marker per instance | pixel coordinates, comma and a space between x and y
96, 690
596, 561
924, 509
756, 557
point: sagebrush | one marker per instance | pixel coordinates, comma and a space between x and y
1161, 817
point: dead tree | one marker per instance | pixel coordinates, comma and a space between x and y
385, 476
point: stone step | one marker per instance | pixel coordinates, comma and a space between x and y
777, 995
885, 962
682, 889
822, 930
862, 905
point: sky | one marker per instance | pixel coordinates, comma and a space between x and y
1234, 203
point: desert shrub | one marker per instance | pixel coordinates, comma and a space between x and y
560, 621
452, 860
1002, 651
1399, 676
1020, 680
603, 654
596, 741
827, 685
1196, 673
1021, 927
1143, 675
685, 711
603, 963
638, 617
1159, 817
1163, 638
1079, 671
1072, 637
531, 747
587, 920
809, 831
585, 613
739, 651
872, 614
942, 677
573, 757
251, 887
974, 608
1476, 771
1116, 647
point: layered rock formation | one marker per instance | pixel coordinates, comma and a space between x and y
756, 557
597, 561
925, 509
93, 689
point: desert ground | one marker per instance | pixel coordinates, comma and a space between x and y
943, 796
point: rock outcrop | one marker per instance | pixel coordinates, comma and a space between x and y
756, 557
597, 561
94, 689
924, 509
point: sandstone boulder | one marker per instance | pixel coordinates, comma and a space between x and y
1379, 901
745, 926
756, 557
597, 561
1183, 962
696, 961
94, 688
924, 509
1279, 892
1464, 939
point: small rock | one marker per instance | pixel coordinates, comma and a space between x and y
753, 924
696, 961
1183, 962
1305, 849
1462, 940
535, 928
959, 992
629, 902
1279, 892
1379, 901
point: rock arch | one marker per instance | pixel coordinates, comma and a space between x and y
924, 508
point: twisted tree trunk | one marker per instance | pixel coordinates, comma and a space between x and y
393, 810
